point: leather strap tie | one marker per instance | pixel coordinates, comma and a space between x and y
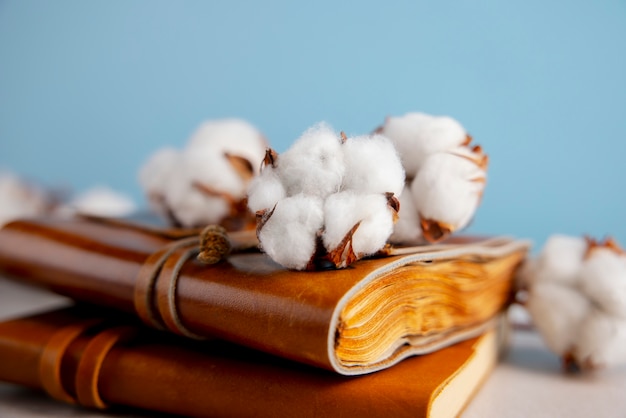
52, 356
144, 300
156, 283
157, 280
90, 364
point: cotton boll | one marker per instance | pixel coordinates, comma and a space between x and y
446, 192
356, 179
314, 164
206, 181
601, 342
191, 208
557, 311
265, 190
342, 211
229, 136
407, 229
157, 168
560, 260
375, 227
214, 172
603, 279
372, 165
154, 175
189, 205
416, 136
579, 284
289, 234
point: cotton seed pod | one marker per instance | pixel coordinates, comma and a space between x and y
417, 136
354, 179
206, 182
448, 190
577, 299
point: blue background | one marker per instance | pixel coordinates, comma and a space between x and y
88, 89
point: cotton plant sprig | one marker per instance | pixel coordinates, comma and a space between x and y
327, 201
445, 176
205, 183
576, 297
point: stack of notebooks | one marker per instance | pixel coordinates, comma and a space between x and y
410, 333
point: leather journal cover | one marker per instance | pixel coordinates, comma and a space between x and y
353, 321
95, 359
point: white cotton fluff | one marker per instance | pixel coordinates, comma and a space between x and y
603, 279
355, 180
577, 300
448, 189
19, 199
155, 171
372, 165
230, 136
265, 190
289, 234
559, 261
155, 174
601, 340
445, 173
201, 184
407, 229
189, 204
560, 310
416, 136
314, 164
101, 201
342, 211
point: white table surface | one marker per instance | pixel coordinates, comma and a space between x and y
528, 382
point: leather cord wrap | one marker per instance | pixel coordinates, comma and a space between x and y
144, 293
90, 364
156, 282
166, 291
52, 356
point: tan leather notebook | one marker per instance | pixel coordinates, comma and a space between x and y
95, 359
356, 320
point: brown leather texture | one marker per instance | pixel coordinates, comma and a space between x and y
247, 299
98, 359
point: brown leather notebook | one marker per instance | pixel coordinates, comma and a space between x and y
79, 355
356, 320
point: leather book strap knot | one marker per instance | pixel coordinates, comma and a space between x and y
90, 364
52, 356
156, 282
